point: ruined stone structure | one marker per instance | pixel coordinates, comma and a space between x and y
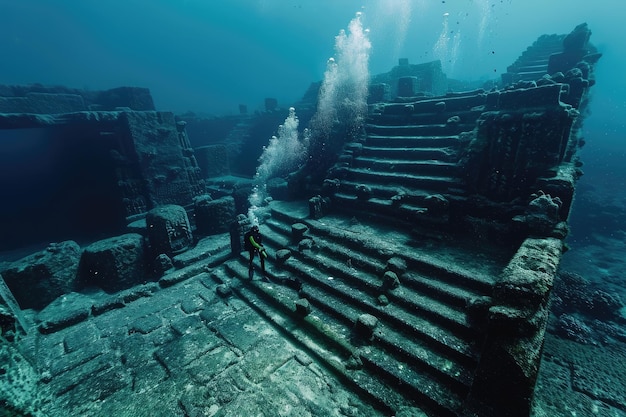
409, 80
105, 167
416, 274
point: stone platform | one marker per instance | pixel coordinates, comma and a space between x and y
182, 350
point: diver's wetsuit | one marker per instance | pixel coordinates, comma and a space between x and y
254, 245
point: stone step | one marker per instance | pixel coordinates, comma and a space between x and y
407, 366
388, 141
412, 368
422, 267
386, 191
532, 68
406, 301
405, 214
532, 73
531, 62
543, 55
369, 276
422, 182
425, 167
318, 332
371, 247
443, 154
329, 260
449, 129
449, 104
425, 118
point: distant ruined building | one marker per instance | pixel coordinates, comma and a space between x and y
440, 308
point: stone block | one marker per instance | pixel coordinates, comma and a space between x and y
224, 290
187, 324
390, 280
162, 264
365, 325
407, 86
63, 312
305, 244
98, 380
145, 325
303, 307
148, 376
181, 351
214, 216
169, 231
71, 363
38, 279
282, 255
113, 264
204, 369
81, 337
213, 160
107, 304
192, 305
396, 265
378, 93
363, 192
318, 206
383, 300
298, 230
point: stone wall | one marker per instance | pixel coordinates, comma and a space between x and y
39, 99
105, 168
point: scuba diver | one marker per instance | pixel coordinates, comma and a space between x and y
253, 243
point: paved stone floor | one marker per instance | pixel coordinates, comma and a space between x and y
181, 351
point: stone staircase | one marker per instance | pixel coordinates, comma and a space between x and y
422, 353
410, 153
533, 63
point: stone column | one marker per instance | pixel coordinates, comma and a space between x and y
506, 375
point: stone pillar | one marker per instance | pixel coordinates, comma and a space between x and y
169, 231
113, 264
507, 372
238, 229
378, 93
318, 206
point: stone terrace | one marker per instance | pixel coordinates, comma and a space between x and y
183, 346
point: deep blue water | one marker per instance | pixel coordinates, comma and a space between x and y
210, 56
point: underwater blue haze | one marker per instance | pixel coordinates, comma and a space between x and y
211, 56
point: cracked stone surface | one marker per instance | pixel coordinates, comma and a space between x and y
183, 351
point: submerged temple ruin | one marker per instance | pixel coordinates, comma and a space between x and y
412, 259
